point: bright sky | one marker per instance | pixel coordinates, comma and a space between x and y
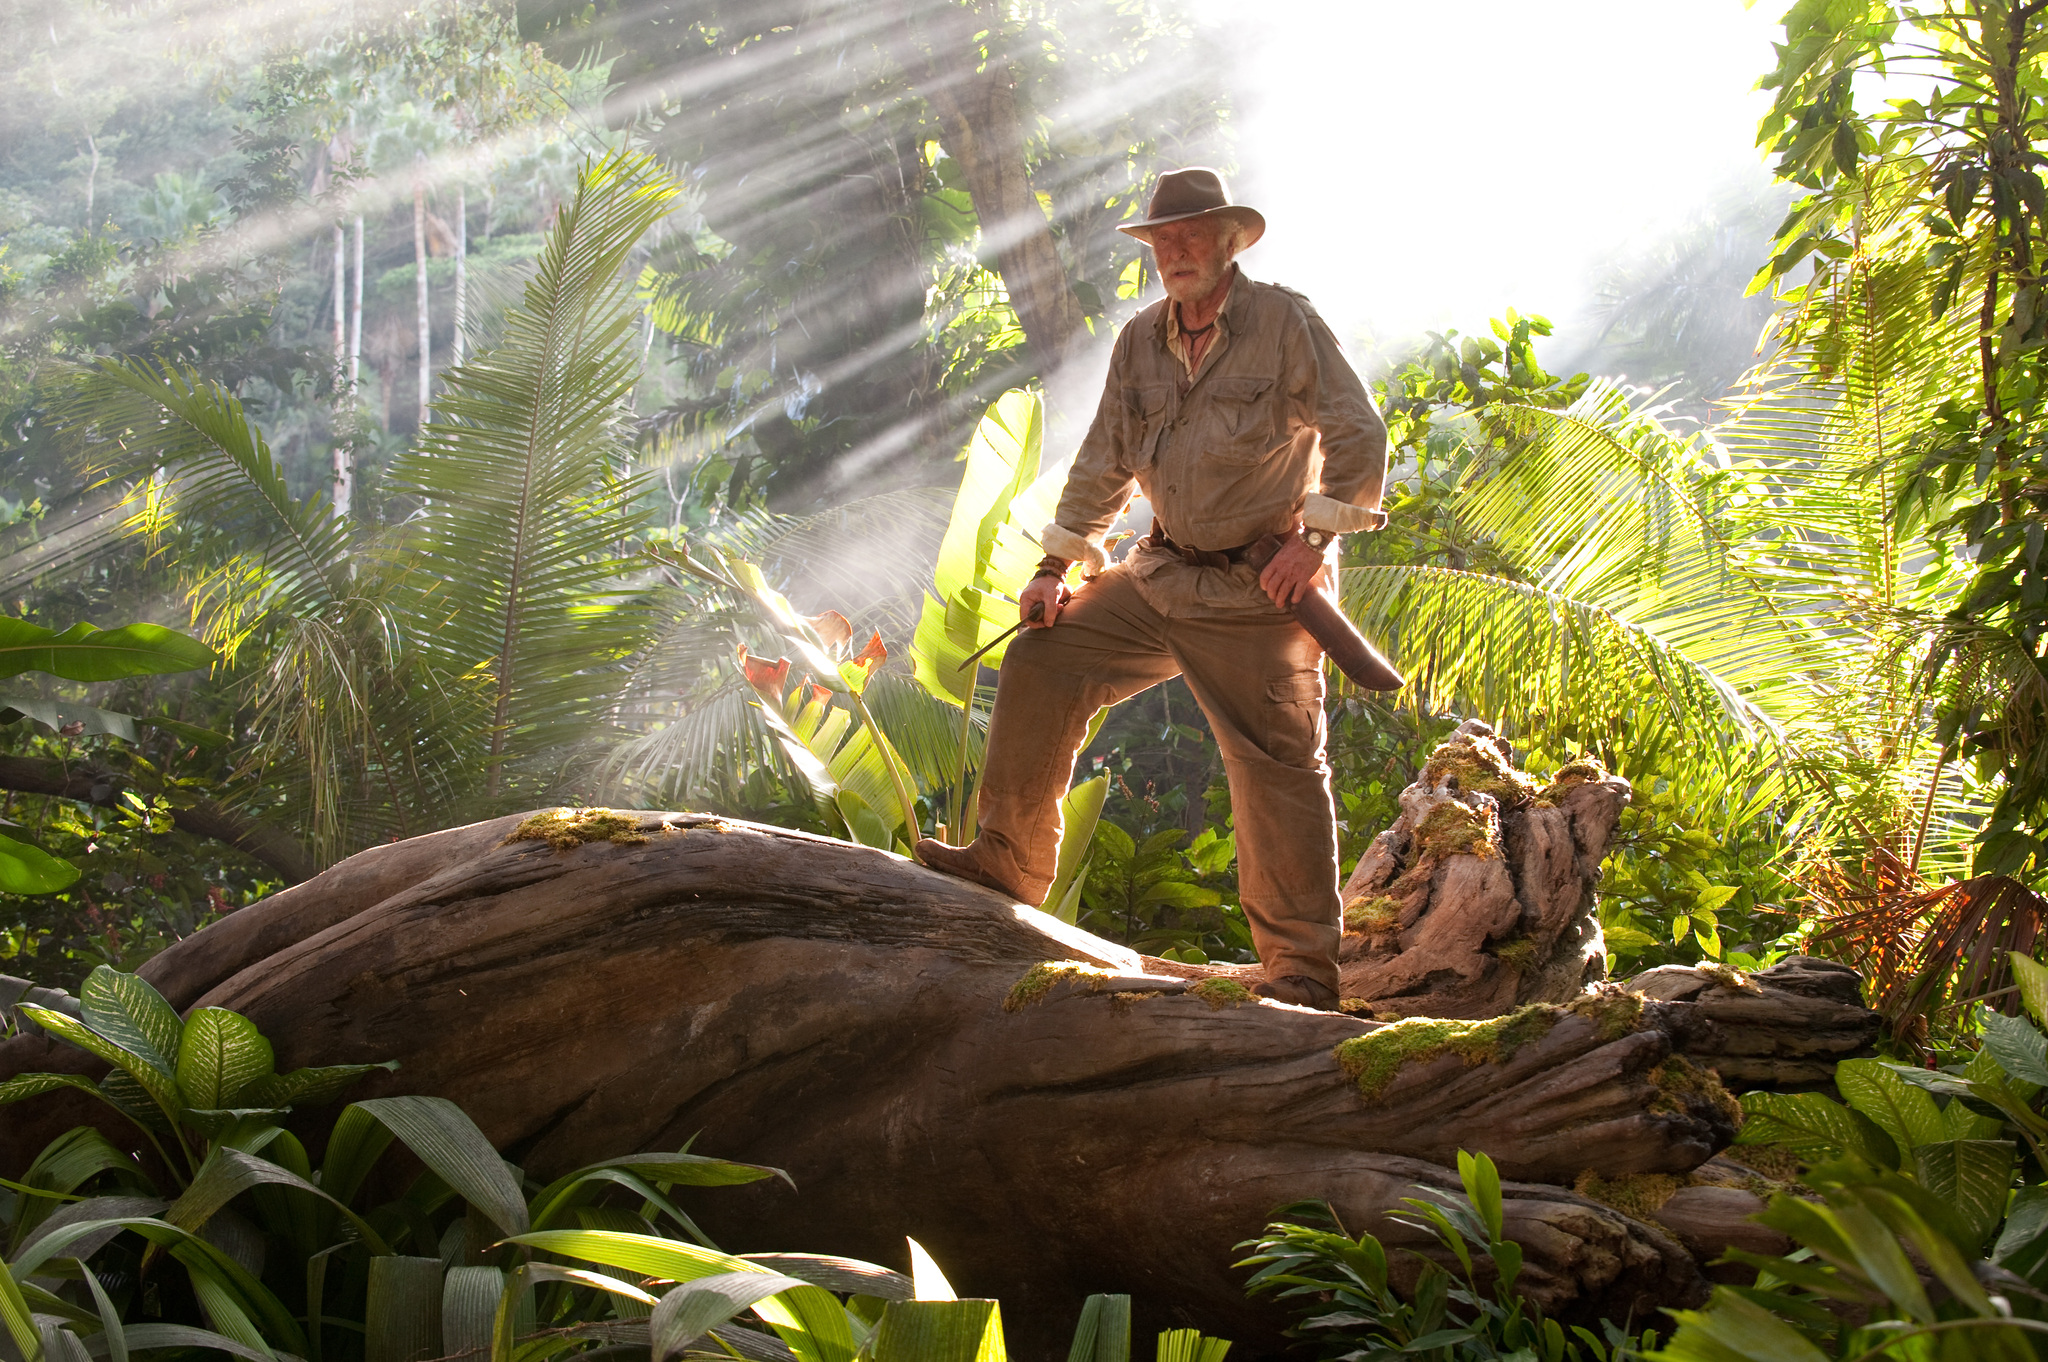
1428, 164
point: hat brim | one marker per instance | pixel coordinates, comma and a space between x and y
1251, 219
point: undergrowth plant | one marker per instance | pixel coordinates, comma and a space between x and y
280, 1260
1348, 1306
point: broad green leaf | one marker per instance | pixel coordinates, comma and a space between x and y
1080, 810
1482, 1189
1971, 1179
227, 1173
60, 715
1732, 1328
690, 1170
811, 1321
402, 1315
310, 1087
925, 1277
443, 1137
1877, 1252
522, 1279
686, 1313
469, 1304
1190, 1345
14, 1314
202, 1260
939, 1331
148, 1337
1903, 1112
65, 1164
2023, 1242
128, 1011
640, 1253
2018, 1046
1001, 462
225, 1312
845, 1275
1103, 1332
161, 1088
355, 1144
25, 1086
1813, 1127
26, 869
220, 1054
85, 653
2032, 977
110, 1318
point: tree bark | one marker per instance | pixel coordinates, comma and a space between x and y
203, 818
888, 1035
1481, 898
419, 258
976, 103
459, 341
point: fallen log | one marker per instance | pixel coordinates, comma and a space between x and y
592, 984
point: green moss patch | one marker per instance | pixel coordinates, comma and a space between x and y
1774, 1161
1221, 993
1681, 1083
1451, 829
1371, 914
1479, 768
1372, 1061
1640, 1195
566, 828
1520, 954
1616, 1013
1040, 979
1584, 771
1727, 976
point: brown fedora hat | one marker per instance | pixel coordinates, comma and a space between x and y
1196, 192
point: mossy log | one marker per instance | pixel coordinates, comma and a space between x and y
608, 983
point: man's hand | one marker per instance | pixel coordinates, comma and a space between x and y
1049, 592
1295, 571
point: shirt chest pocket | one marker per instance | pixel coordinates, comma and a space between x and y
1145, 410
1241, 419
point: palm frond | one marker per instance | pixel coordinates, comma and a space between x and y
193, 457
1544, 661
513, 557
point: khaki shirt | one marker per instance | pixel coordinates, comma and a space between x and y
1272, 428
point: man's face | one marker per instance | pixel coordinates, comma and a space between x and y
1193, 255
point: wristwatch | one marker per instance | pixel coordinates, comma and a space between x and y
1317, 539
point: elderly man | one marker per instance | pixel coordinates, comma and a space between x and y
1231, 408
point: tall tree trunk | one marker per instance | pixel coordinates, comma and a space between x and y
355, 321
92, 177
985, 135
419, 256
344, 383
459, 343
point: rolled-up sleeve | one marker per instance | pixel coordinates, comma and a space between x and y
1100, 483
1354, 439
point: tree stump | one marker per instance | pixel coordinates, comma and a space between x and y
1480, 898
928, 1059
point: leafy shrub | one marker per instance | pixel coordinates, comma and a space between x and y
472, 1256
1351, 1311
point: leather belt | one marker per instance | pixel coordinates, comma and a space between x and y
1215, 558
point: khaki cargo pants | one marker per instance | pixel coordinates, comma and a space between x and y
1257, 676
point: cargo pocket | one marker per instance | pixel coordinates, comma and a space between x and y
1145, 422
1244, 419
1294, 718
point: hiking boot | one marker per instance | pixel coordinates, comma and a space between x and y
962, 864
1300, 990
